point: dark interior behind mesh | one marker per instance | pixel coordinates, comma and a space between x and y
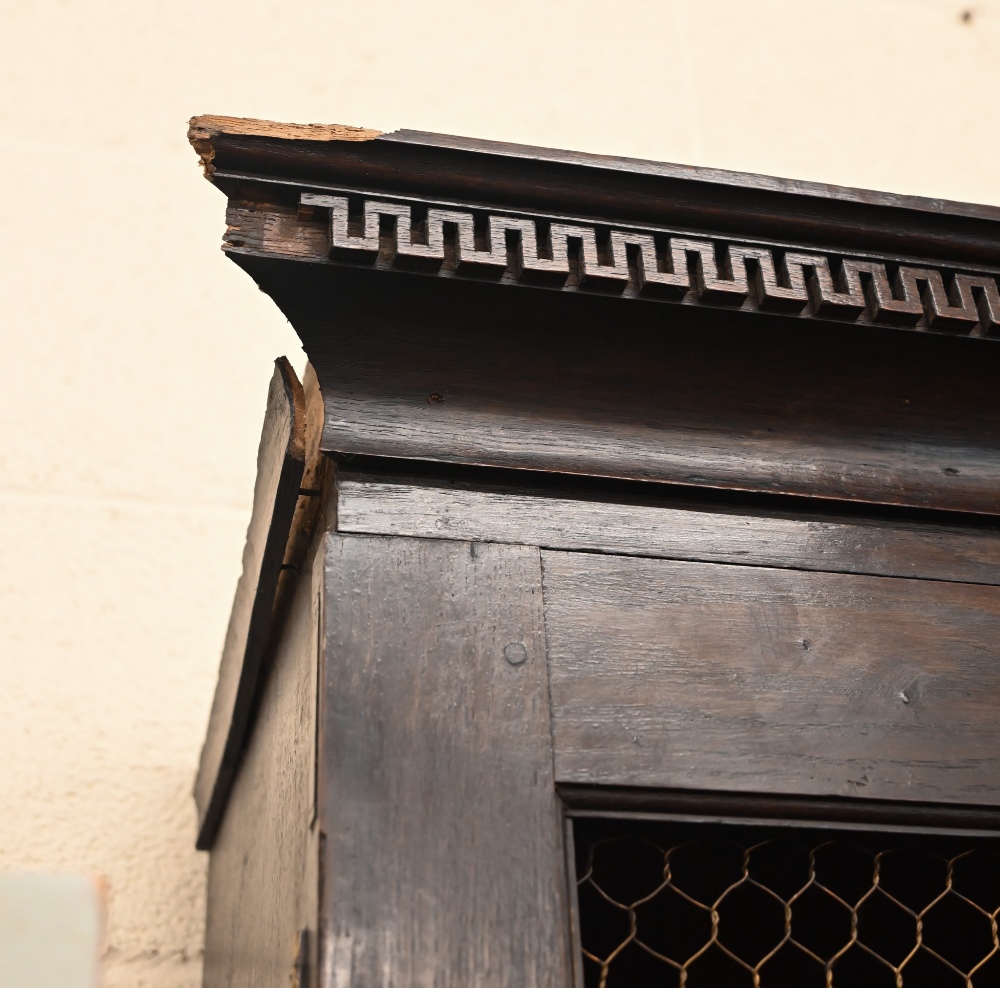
713, 906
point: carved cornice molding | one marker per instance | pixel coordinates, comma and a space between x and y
464, 303
468, 242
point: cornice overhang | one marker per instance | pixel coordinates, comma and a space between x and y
600, 187
480, 303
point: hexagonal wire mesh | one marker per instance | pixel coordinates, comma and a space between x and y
707, 906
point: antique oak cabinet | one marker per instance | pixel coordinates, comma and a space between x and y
621, 601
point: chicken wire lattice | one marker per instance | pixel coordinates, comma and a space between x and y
664, 904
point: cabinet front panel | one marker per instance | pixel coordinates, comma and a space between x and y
702, 676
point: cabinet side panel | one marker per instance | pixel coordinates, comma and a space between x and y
262, 871
681, 675
444, 861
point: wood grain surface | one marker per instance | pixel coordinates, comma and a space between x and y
630, 527
501, 174
203, 131
400, 792
710, 677
581, 382
842, 813
280, 463
443, 860
457, 372
262, 877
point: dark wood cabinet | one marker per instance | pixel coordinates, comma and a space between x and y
621, 600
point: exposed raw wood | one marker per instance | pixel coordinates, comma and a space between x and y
877, 547
310, 509
317, 475
203, 129
280, 463
443, 860
598, 186
708, 677
686, 393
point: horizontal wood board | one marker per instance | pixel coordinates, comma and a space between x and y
883, 548
682, 675
699, 805
444, 862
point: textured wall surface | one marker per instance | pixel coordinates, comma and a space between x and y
136, 358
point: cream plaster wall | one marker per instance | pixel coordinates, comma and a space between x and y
136, 358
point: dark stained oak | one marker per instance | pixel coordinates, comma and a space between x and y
636, 263
619, 488
280, 464
236, 152
632, 527
461, 372
443, 861
709, 677
845, 813
263, 872
464, 369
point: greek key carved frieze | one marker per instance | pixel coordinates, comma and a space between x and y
651, 264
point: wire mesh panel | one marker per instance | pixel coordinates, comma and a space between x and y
666, 904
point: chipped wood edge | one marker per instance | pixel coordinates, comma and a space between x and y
317, 480
202, 130
249, 638
313, 486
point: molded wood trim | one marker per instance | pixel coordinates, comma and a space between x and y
456, 240
598, 186
695, 806
471, 372
280, 465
